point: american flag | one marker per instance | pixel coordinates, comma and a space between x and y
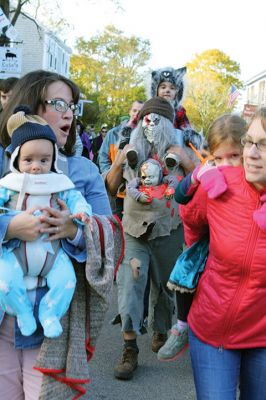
233, 95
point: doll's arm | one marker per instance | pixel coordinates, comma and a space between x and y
132, 188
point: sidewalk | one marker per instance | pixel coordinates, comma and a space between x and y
153, 380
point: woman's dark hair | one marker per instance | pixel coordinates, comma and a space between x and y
31, 90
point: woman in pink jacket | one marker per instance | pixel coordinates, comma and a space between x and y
228, 316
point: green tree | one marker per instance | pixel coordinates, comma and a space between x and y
46, 11
210, 76
110, 67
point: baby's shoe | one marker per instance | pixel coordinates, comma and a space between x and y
52, 327
27, 324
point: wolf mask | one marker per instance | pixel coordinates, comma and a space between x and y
168, 74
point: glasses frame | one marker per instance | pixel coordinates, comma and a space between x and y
72, 106
244, 141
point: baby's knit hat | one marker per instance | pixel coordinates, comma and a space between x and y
174, 76
157, 105
23, 127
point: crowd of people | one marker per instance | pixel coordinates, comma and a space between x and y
191, 248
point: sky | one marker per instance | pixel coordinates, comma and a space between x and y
178, 30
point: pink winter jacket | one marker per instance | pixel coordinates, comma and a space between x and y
229, 307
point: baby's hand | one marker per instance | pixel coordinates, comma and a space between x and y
169, 193
83, 217
144, 198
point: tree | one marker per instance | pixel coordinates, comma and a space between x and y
210, 76
109, 67
47, 11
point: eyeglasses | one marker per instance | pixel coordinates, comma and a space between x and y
62, 106
246, 142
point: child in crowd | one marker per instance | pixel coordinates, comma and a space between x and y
169, 83
35, 182
225, 148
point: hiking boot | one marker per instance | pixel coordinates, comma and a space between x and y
158, 340
175, 345
129, 362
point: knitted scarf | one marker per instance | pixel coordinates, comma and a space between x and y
64, 360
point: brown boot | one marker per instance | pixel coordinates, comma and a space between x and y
128, 364
158, 340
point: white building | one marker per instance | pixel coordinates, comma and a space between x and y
40, 49
255, 94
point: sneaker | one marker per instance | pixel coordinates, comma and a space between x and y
175, 345
129, 362
158, 340
132, 158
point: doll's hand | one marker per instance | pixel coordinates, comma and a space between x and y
144, 198
169, 193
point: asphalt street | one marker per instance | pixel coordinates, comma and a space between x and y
153, 380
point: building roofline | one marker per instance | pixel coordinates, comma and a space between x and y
48, 32
256, 77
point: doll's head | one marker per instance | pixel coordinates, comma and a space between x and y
151, 173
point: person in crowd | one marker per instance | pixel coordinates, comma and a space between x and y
227, 317
169, 84
34, 152
153, 238
91, 132
78, 149
55, 99
97, 142
111, 156
225, 148
6, 90
86, 141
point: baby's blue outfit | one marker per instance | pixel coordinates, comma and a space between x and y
41, 262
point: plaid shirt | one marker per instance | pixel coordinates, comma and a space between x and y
181, 120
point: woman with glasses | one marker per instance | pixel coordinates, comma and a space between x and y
227, 319
55, 99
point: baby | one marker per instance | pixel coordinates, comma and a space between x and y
36, 182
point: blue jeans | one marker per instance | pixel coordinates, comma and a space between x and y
218, 372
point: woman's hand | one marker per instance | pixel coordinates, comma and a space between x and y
114, 178
60, 225
25, 226
185, 161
